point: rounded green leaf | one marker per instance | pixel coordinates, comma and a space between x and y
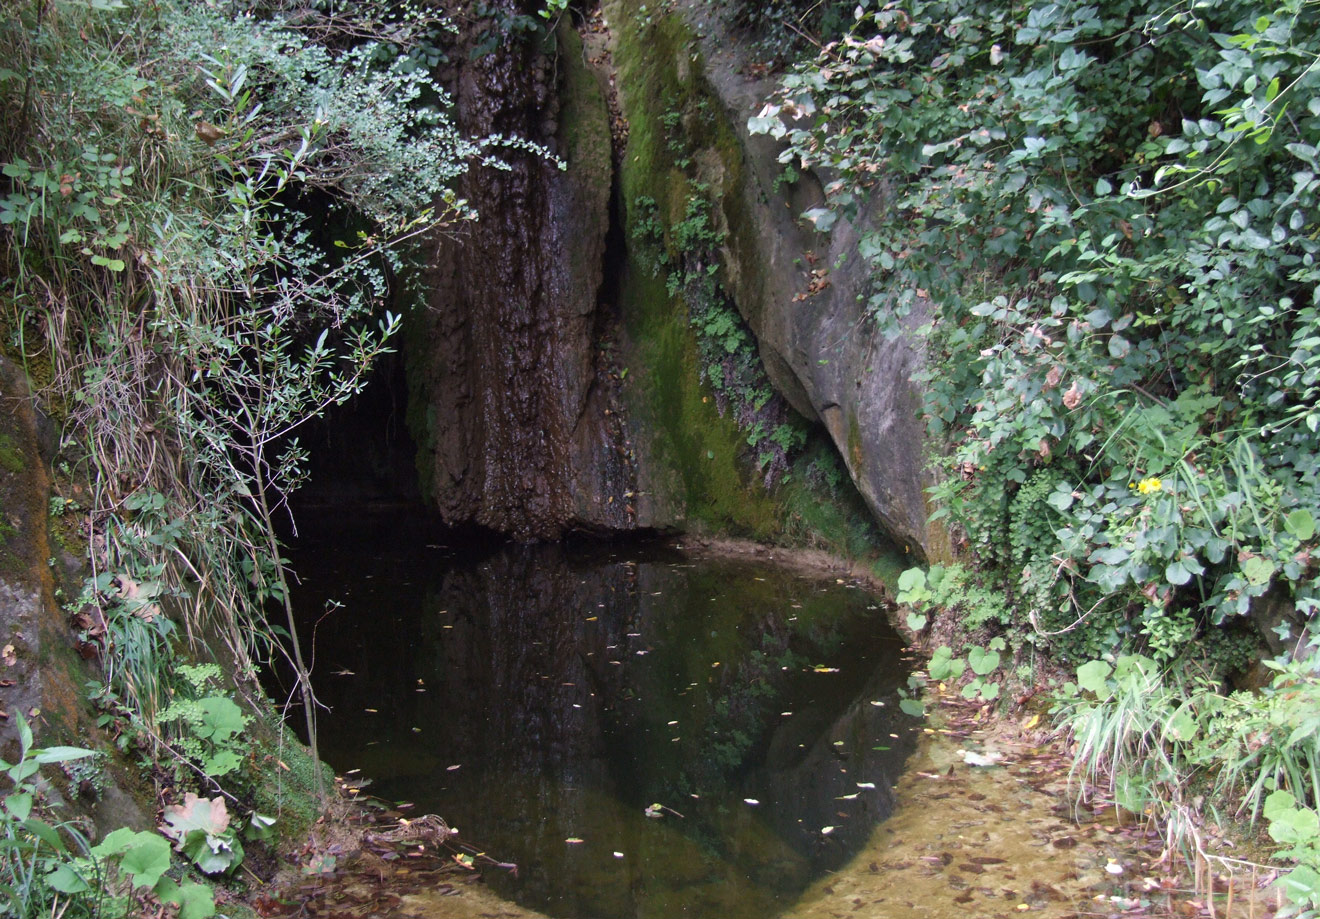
1300, 523
1177, 574
1094, 677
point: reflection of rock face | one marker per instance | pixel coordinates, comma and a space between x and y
523, 664
512, 418
531, 694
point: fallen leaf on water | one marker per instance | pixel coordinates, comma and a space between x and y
866, 784
822, 669
453, 767
751, 801
8, 655
574, 841
826, 830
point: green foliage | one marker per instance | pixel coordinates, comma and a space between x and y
1109, 212
982, 661
730, 362
210, 725
784, 30
201, 214
51, 869
1298, 829
955, 588
1158, 738
202, 832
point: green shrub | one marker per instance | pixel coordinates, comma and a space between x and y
160, 254
1160, 740
1109, 212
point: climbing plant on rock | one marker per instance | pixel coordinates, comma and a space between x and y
1108, 213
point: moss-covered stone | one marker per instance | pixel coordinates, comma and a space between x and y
691, 457
285, 779
696, 467
11, 458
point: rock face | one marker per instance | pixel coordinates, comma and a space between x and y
40, 675
31, 626
815, 341
522, 422
511, 400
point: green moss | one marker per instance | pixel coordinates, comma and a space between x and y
671, 117
680, 139
285, 784
855, 440
677, 417
11, 456
584, 116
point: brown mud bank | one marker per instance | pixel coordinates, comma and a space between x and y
857, 572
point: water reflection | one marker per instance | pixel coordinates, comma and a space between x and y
537, 694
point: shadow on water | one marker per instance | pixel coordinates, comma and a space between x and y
533, 695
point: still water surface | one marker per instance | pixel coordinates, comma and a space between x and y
716, 733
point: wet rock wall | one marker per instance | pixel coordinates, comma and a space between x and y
510, 393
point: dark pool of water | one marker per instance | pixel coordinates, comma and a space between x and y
533, 695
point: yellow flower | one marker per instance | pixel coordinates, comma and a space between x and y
1149, 486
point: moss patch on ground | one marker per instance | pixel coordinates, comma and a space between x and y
285, 786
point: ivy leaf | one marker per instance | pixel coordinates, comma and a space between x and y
145, 856
982, 661
821, 218
67, 881
944, 666
195, 901
914, 707
221, 719
1061, 499
1258, 570
1094, 677
1301, 524
1177, 573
